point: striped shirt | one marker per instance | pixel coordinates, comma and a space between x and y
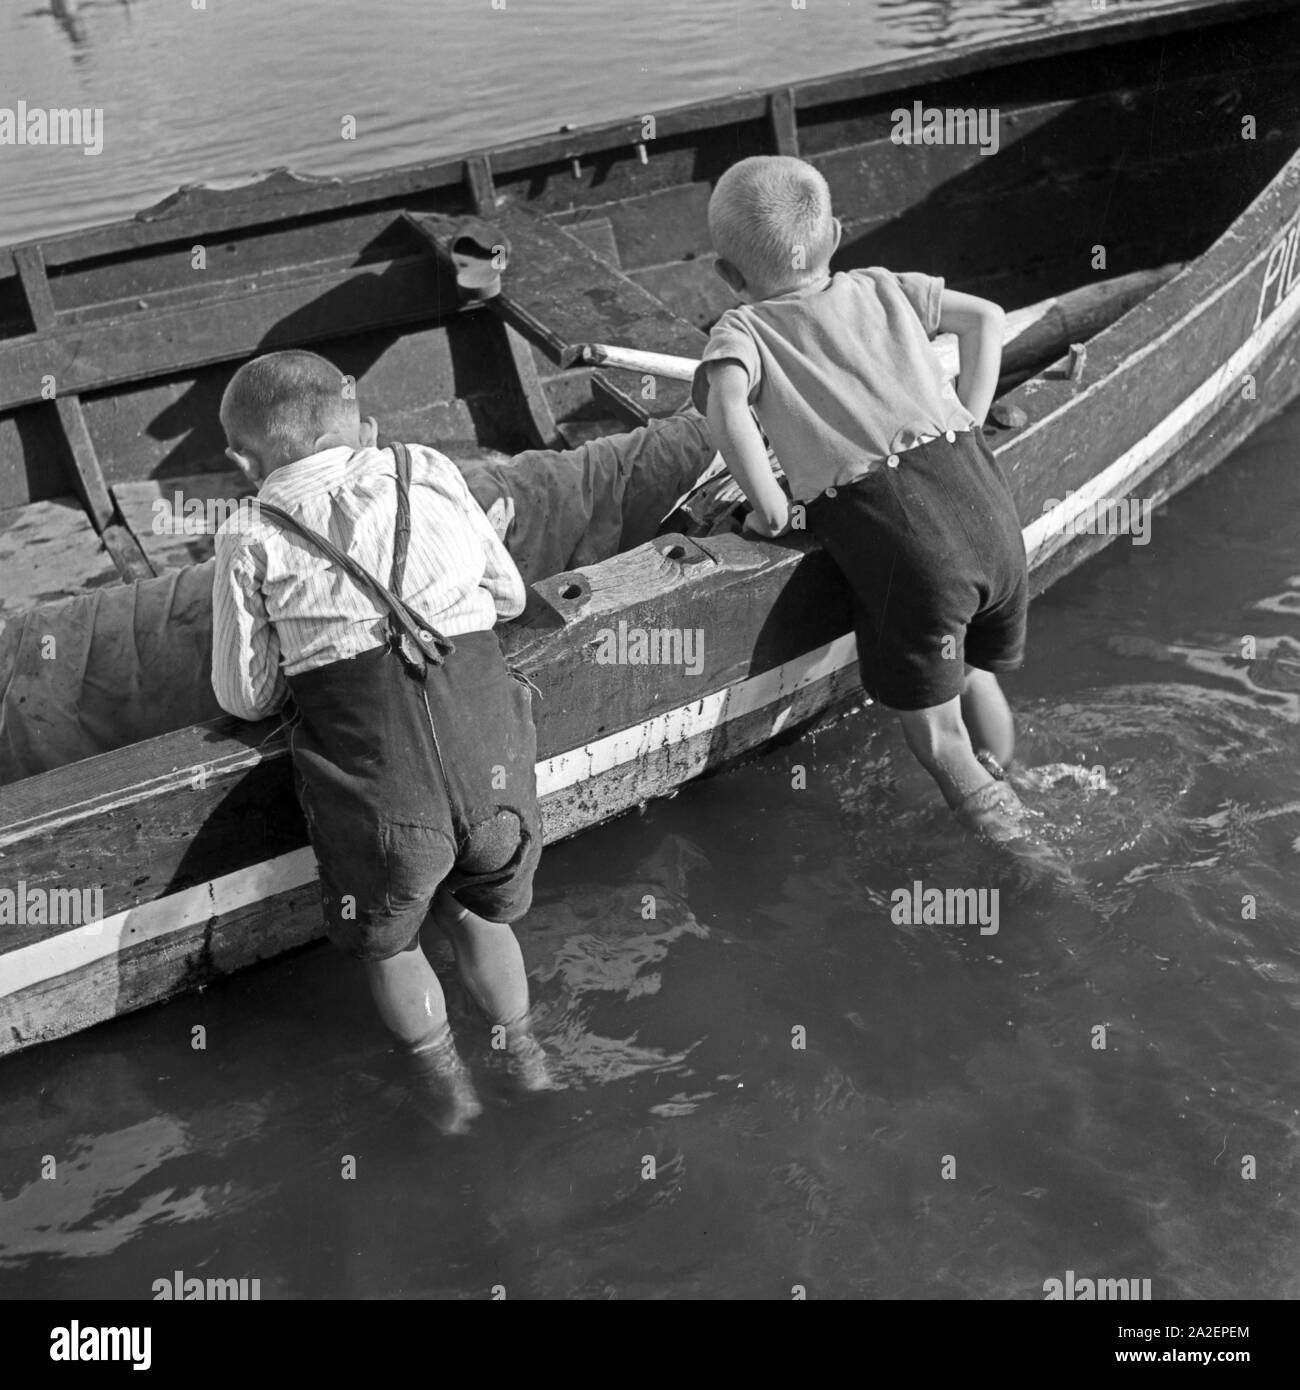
280, 607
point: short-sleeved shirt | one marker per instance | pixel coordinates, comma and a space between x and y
841, 375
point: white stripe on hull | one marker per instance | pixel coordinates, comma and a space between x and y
677, 725
80, 946
58, 955
1139, 461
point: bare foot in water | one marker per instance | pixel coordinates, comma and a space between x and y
995, 812
444, 1090
529, 1066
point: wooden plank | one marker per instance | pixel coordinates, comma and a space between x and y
214, 209
177, 339
556, 290
89, 475
234, 263
132, 563
30, 266
1148, 365
155, 513
49, 550
557, 293
656, 226
537, 406
1193, 197
452, 378
693, 290
478, 175
597, 235
785, 132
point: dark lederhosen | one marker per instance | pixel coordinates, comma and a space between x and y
933, 555
416, 774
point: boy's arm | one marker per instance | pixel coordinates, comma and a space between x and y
741, 445
501, 577
978, 326
246, 675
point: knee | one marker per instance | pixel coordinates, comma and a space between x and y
976, 679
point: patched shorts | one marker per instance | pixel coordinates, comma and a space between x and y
934, 559
409, 786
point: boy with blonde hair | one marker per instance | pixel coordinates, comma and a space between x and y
887, 461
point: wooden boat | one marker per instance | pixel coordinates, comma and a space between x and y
1159, 135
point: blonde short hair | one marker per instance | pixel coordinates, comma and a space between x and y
770, 216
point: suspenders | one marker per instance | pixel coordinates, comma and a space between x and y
410, 636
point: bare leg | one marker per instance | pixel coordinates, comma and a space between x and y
491, 966
411, 1004
939, 739
986, 714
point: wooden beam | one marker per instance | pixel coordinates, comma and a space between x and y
179, 338
131, 561
90, 476
785, 130
482, 193
532, 389
30, 265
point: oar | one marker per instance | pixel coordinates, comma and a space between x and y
660, 364
1036, 334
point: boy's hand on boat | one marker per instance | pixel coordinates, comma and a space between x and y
769, 531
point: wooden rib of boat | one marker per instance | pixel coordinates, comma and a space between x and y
1160, 135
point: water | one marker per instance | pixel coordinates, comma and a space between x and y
776, 1166
773, 1166
244, 85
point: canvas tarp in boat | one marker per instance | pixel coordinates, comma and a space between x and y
87, 674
